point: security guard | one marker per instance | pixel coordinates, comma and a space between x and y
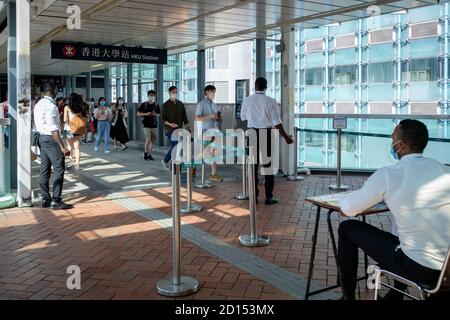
262, 114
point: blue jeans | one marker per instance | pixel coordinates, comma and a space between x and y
172, 145
104, 127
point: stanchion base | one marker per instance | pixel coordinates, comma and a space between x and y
295, 178
194, 208
260, 241
187, 286
203, 186
342, 187
241, 196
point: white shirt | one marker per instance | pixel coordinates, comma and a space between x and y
417, 192
46, 116
260, 111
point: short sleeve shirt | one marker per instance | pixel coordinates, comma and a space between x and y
149, 121
206, 108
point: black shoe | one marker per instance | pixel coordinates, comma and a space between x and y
392, 295
145, 156
46, 204
59, 205
270, 201
150, 157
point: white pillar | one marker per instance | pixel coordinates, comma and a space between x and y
287, 97
23, 103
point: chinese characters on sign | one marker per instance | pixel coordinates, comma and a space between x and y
89, 52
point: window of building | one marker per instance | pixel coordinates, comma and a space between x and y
314, 76
211, 58
221, 91
427, 69
381, 72
189, 84
344, 75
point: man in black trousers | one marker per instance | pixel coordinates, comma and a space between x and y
53, 150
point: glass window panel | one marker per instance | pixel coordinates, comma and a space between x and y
381, 72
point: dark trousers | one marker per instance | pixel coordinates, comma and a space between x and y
269, 180
381, 246
172, 145
51, 155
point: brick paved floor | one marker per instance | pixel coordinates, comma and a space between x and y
122, 254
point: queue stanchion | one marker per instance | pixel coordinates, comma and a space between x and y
243, 195
178, 285
190, 207
339, 123
295, 176
252, 239
204, 184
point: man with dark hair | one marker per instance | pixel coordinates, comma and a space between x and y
149, 111
207, 117
262, 114
416, 190
174, 117
53, 151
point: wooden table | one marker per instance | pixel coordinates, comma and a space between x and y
332, 202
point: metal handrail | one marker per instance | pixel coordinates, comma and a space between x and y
373, 116
364, 134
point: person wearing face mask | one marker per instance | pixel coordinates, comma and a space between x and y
119, 124
207, 119
174, 117
149, 111
416, 189
103, 115
52, 148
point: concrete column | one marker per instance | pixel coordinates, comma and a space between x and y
107, 89
88, 85
73, 83
11, 156
130, 104
201, 74
23, 103
160, 100
287, 97
260, 58
118, 77
67, 85
139, 83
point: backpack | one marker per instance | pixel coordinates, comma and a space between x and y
78, 124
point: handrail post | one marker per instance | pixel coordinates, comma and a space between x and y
295, 176
204, 184
338, 186
243, 195
178, 285
252, 239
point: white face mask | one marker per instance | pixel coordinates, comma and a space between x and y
120, 102
151, 99
173, 96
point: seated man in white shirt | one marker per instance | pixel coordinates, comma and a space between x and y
416, 190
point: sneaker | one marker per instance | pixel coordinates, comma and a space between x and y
270, 201
107, 151
59, 205
216, 177
46, 203
165, 164
124, 148
96, 149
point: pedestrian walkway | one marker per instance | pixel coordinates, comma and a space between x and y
119, 234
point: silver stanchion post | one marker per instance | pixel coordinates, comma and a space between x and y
190, 207
243, 195
295, 176
204, 184
178, 285
338, 186
252, 239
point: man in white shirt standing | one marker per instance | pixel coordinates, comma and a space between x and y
416, 190
262, 114
53, 151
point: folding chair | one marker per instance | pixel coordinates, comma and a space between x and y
424, 293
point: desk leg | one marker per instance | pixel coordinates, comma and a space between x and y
313, 254
333, 244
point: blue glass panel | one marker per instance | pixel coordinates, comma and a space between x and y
427, 47
381, 92
345, 56
424, 91
314, 93
381, 21
343, 93
381, 52
424, 14
311, 34
345, 28
314, 59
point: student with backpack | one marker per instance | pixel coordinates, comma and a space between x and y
75, 121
